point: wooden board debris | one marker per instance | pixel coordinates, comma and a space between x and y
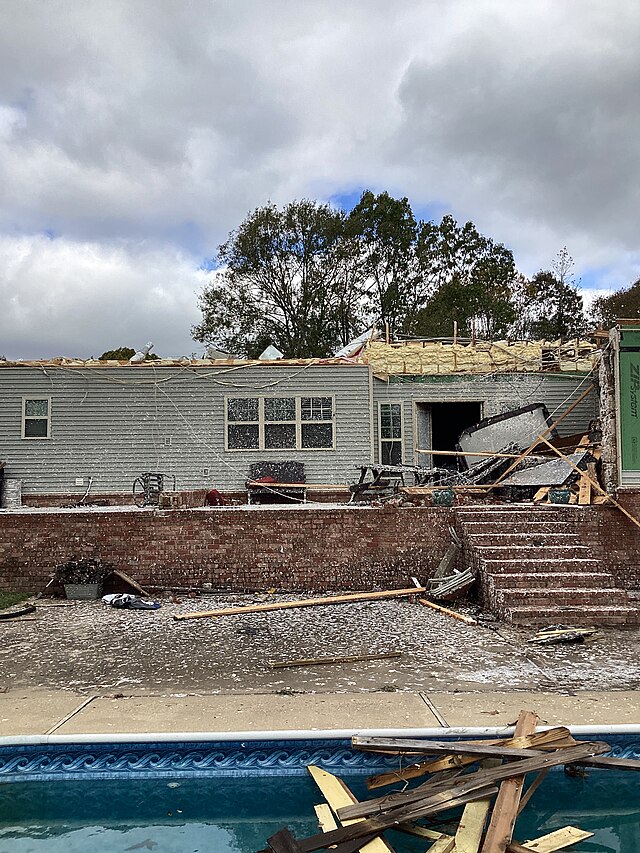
469, 834
557, 840
305, 602
469, 620
337, 794
503, 818
555, 738
334, 660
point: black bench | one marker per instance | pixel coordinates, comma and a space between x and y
271, 482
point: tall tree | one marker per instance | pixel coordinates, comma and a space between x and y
287, 281
470, 278
623, 304
556, 308
385, 230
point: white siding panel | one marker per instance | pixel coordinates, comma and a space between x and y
112, 424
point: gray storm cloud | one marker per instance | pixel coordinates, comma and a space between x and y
137, 134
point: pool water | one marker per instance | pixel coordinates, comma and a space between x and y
215, 815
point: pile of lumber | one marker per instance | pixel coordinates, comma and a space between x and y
484, 778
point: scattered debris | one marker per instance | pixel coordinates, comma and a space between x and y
125, 600
305, 602
333, 660
562, 634
503, 764
447, 612
9, 615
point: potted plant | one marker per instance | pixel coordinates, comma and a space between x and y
82, 578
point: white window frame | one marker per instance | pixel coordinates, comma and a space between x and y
298, 422
382, 403
26, 418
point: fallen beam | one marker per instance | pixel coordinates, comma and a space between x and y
468, 620
305, 602
505, 812
344, 659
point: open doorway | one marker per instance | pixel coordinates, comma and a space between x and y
438, 428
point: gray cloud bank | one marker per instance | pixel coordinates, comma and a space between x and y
137, 134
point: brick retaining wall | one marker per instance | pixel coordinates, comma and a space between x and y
254, 549
310, 548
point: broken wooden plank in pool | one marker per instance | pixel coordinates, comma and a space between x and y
550, 739
399, 746
326, 820
283, 842
427, 792
557, 840
337, 794
469, 620
505, 812
306, 602
333, 660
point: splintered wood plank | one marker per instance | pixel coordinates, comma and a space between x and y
471, 827
533, 787
304, 602
552, 738
584, 495
283, 842
443, 845
557, 840
505, 810
326, 820
337, 794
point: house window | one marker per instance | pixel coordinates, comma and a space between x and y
280, 423
390, 429
36, 418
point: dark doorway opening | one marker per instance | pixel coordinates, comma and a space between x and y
448, 420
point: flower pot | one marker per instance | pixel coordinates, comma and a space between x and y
83, 591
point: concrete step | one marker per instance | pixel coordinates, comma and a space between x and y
516, 553
577, 564
580, 616
501, 538
561, 597
550, 580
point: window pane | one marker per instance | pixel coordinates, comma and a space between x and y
36, 428
391, 453
390, 420
279, 435
280, 409
317, 435
242, 409
242, 436
36, 408
316, 408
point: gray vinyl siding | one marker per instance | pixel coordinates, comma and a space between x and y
114, 423
496, 394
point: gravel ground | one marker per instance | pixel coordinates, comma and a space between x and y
87, 646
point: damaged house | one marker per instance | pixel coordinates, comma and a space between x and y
72, 429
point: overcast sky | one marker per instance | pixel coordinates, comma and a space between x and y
135, 134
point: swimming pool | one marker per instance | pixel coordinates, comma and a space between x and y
229, 793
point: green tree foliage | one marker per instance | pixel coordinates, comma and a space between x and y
124, 354
384, 234
308, 279
471, 280
623, 304
287, 281
554, 308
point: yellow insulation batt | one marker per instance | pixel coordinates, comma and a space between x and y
435, 357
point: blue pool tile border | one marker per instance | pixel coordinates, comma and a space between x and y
30, 762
